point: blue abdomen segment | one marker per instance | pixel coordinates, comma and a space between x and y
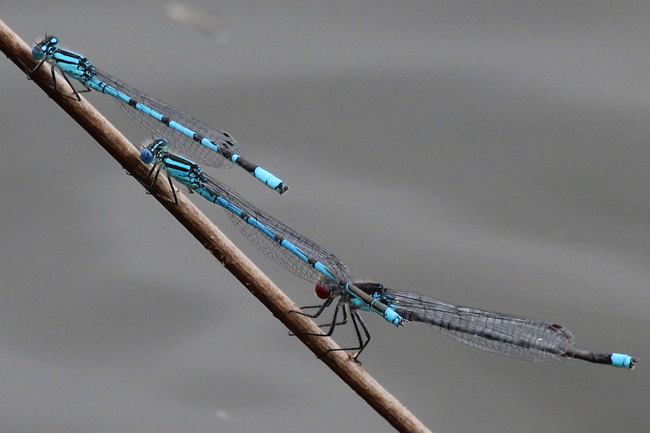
622, 360
392, 316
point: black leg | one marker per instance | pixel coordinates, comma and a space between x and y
332, 326
317, 314
363, 338
157, 169
36, 68
321, 308
28, 71
153, 183
54, 86
356, 321
77, 97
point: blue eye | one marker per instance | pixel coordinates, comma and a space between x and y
37, 53
146, 156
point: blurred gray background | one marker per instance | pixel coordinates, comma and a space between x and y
492, 154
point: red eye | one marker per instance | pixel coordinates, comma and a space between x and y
323, 292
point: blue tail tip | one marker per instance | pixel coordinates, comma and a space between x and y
146, 156
622, 360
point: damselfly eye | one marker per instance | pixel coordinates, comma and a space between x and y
146, 156
323, 292
38, 53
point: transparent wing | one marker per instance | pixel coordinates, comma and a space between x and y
178, 142
271, 245
514, 336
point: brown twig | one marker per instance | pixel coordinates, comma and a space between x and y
213, 240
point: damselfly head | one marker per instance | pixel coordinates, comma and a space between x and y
45, 47
158, 146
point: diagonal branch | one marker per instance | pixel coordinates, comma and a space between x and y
213, 240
